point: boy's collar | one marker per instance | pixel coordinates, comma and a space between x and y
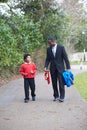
27, 63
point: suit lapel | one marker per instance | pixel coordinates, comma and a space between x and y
51, 52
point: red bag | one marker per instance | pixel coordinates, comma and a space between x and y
47, 76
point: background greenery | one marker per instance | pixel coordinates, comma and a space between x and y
78, 63
81, 84
29, 32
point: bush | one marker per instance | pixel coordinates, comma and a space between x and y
17, 36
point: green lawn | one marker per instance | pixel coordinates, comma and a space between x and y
78, 63
81, 84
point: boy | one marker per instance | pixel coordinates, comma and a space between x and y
28, 70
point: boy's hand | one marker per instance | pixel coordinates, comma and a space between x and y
25, 74
32, 72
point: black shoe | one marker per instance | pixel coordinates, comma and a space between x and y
56, 99
26, 100
61, 99
33, 98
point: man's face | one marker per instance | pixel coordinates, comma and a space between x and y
51, 43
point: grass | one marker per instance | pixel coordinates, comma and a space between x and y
81, 84
78, 63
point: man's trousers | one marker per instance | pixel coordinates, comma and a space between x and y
58, 84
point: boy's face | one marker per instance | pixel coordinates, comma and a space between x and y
28, 59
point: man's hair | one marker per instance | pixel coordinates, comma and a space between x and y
25, 55
51, 38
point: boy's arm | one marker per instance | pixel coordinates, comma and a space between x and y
22, 71
34, 69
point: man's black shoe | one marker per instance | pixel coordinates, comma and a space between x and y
61, 100
33, 98
26, 100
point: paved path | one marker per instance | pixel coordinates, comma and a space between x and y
43, 114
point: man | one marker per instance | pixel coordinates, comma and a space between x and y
57, 57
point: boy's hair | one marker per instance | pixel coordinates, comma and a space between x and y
25, 55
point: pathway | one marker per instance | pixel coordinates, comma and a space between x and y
43, 114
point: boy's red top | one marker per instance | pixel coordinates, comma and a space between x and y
28, 70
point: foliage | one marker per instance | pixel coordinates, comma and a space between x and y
53, 20
3, 0
9, 56
55, 23
17, 36
77, 23
35, 9
27, 33
82, 38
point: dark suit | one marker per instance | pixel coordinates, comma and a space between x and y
57, 66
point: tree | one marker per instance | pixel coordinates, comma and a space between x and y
76, 13
9, 55
26, 32
3, 0
54, 23
17, 36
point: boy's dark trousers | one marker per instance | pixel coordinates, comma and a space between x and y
29, 83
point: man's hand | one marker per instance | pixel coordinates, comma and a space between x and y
69, 70
45, 69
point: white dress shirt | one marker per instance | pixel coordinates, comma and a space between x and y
54, 49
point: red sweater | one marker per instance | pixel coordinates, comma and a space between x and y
28, 70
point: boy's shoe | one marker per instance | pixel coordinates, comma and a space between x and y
33, 98
56, 99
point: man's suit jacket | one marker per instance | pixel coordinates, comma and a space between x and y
59, 62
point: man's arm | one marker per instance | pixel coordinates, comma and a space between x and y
65, 57
47, 61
